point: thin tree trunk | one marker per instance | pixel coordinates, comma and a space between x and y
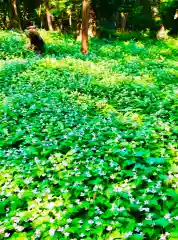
11, 17
70, 17
79, 32
123, 21
92, 23
39, 14
48, 16
15, 12
85, 20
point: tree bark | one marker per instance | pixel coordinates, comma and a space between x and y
39, 14
176, 14
15, 13
70, 17
48, 16
123, 21
85, 20
11, 16
92, 23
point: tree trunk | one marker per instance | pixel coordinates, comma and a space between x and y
11, 17
176, 14
15, 13
92, 23
70, 17
85, 20
79, 32
123, 21
39, 14
48, 16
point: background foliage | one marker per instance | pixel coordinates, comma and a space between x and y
66, 14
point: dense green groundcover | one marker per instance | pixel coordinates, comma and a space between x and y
88, 144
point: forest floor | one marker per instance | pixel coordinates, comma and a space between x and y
88, 144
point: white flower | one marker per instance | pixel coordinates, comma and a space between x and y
98, 223
64, 163
112, 176
163, 237
176, 217
164, 198
36, 160
141, 208
69, 220
37, 233
50, 205
117, 189
90, 221
78, 201
118, 138
167, 216
82, 235
132, 200
38, 200
66, 234
47, 190
61, 229
127, 235
146, 209
15, 219
52, 232
6, 235
149, 216
121, 209
27, 180
109, 228
141, 234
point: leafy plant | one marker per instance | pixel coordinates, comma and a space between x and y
88, 144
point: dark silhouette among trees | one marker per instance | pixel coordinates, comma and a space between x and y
36, 42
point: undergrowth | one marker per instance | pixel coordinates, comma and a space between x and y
88, 144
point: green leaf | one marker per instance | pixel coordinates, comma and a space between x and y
174, 168
131, 225
152, 160
162, 222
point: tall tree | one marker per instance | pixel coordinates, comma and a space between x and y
48, 15
14, 14
85, 22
